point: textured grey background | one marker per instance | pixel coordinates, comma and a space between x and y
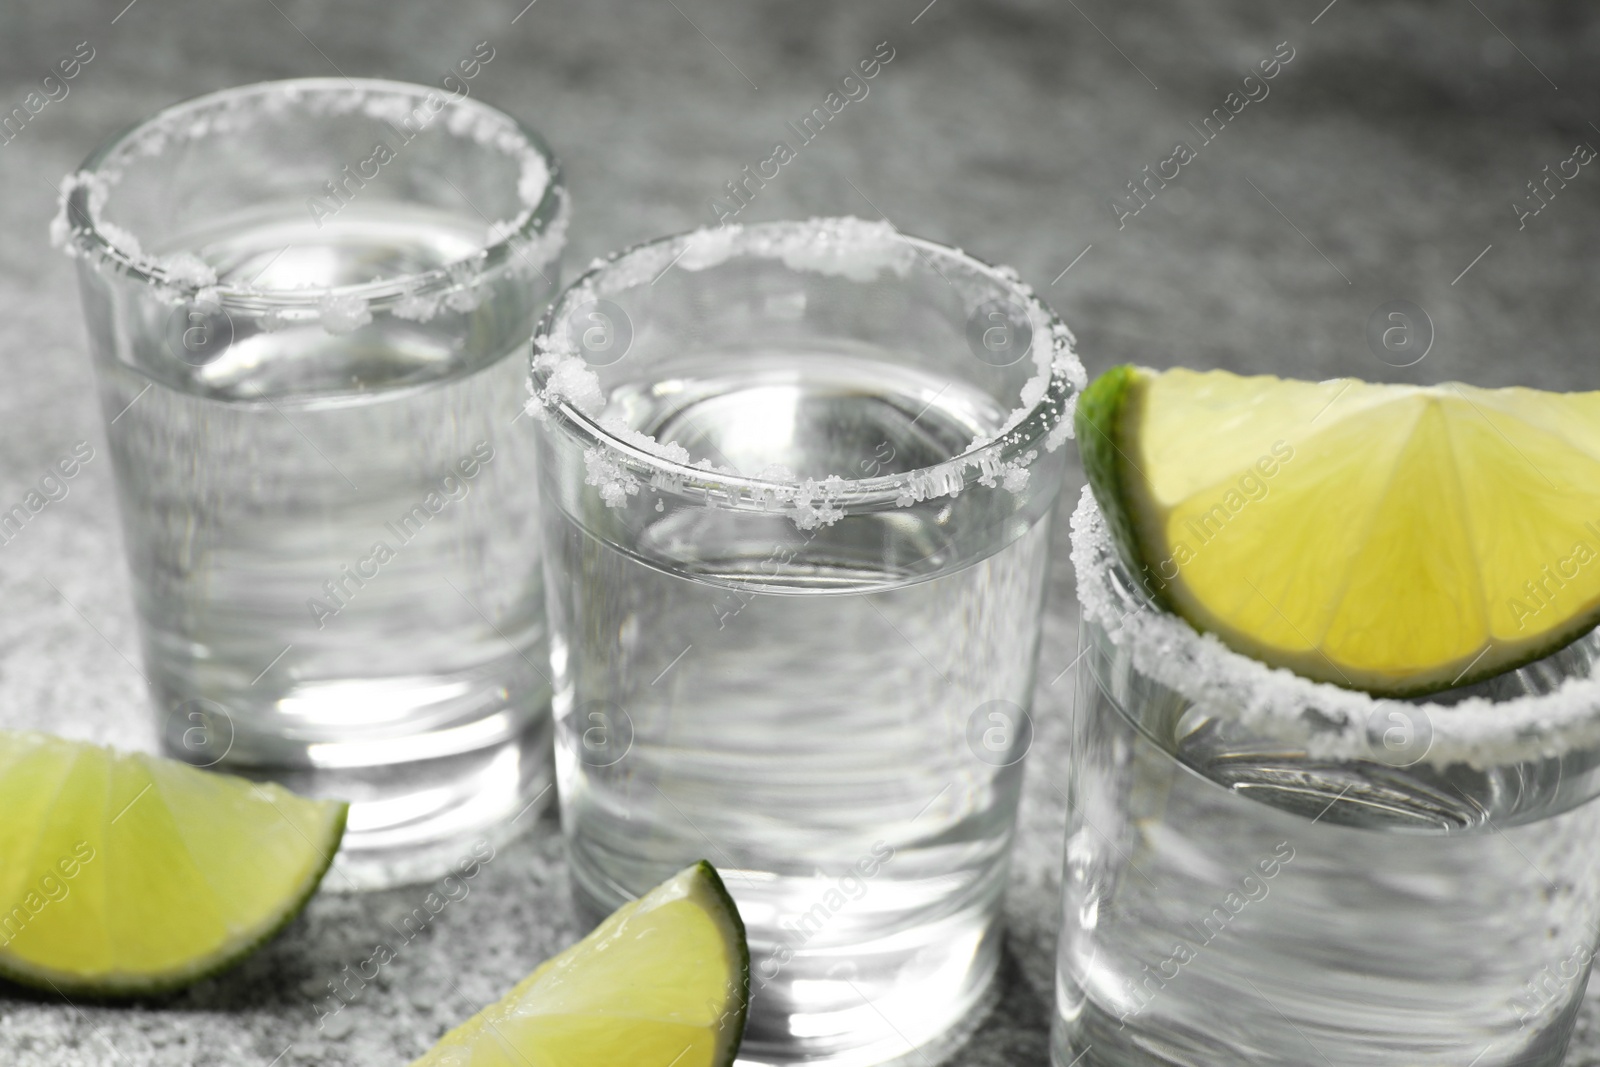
1385, 159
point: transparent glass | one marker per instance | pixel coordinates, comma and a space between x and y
1260, 869
308, 304
798, 480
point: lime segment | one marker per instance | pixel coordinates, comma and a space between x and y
1395, 539
664, 980
125, 874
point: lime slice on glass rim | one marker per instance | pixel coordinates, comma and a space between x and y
123, 874
1396, 539
665, 980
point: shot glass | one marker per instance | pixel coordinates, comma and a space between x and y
1261, 869
798, 481
308, 304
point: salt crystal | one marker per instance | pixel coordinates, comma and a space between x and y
415, 307
190, 271
670, 451
613, 480
343, 314
573, 382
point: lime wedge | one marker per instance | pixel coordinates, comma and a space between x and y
664, 980
126, 874
1393, 538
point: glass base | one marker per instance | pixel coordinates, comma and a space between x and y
416, 821
1094, 1038
911, 998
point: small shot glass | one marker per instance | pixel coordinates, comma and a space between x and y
1264, 869
797, 484
308, 304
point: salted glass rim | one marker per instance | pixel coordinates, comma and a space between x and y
845, 246
1330, 721
536, 234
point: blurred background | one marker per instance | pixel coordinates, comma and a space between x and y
1425, 155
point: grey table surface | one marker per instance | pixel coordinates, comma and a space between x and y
1383, 165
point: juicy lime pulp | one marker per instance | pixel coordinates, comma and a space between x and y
664, 980
126, 874
1392, 538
